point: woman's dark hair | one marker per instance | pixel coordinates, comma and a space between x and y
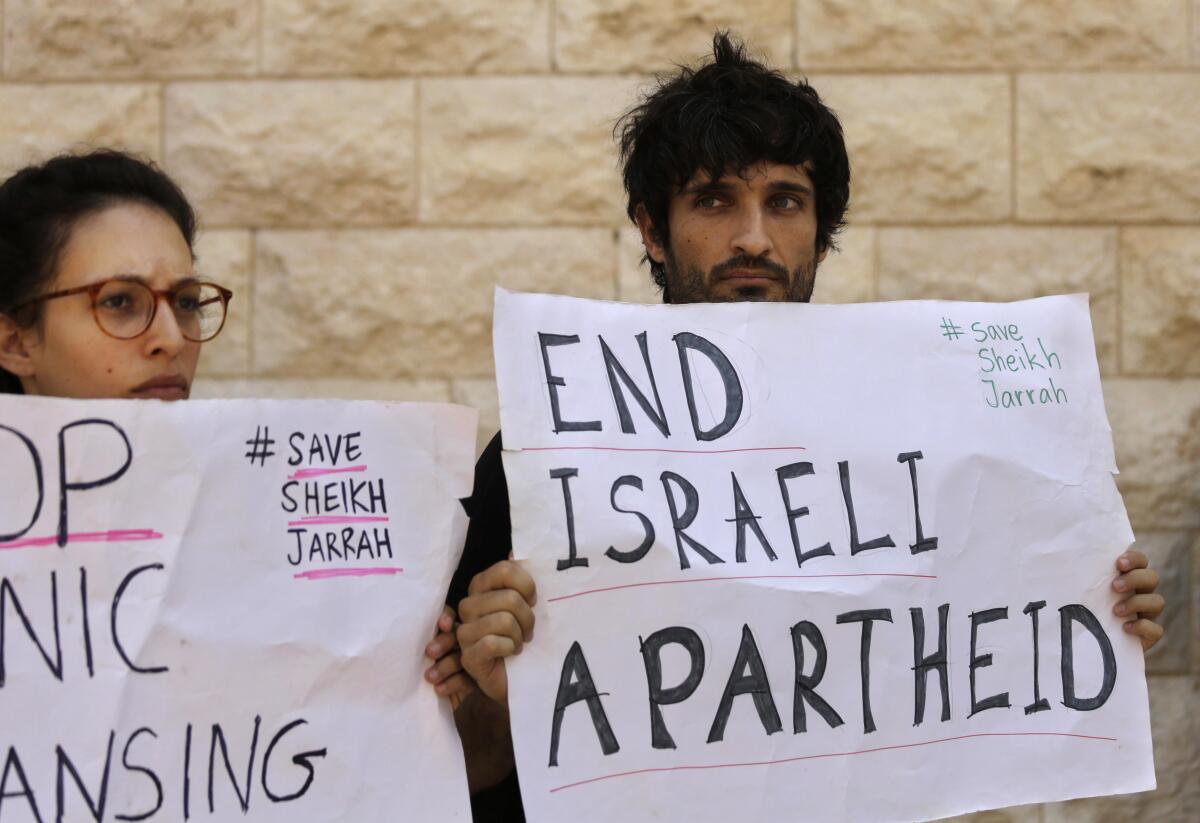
40, 205
728, 115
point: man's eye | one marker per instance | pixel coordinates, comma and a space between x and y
708, 202
787, 202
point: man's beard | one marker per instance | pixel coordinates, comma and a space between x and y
691, 285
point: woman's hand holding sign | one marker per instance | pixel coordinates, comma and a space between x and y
446, 674
497, 616
1141, 604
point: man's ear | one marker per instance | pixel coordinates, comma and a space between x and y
650, 239
14, 353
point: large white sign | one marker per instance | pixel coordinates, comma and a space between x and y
818, 562
217, 610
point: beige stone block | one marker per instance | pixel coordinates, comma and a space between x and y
1006, 263
1108, 147
1170, 555
1160, 300
39, 121
846, 276
521, 150
126, 38
965, 34
388, 391
295, 153
224, 257
373, 37
634, 35
480, 395
409, 302
1176, 732
925, 148
1156, 427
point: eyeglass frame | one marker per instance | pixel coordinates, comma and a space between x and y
93, 291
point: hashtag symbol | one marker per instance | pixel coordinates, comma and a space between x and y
260, 446
951, 331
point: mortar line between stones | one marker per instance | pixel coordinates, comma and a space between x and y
162, 124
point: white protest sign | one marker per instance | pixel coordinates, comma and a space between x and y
217, 610
820, 562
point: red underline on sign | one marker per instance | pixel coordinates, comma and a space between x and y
826, 755
660, 451
332, 520
743, 577
323, 574
304, 474
113, 536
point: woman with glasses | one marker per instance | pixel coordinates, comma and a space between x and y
98, 295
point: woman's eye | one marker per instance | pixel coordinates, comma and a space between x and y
116, 302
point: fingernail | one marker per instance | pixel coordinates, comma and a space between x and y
1120, 585
1120, 608
431, 675
1123, 563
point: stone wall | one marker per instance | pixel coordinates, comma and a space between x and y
365, 171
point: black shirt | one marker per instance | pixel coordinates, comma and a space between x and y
489, 540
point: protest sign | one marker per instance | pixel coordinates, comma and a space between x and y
827, 562
217, 610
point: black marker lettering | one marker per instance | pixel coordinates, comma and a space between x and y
576, 684
784, 474
855, 546
923, 543
12, 764
679, 522
745, 517
1039, 704
615, 370
867, 618
37, 473
96, 807
218, 737
116, 604
303, 760
7, 593
64, 487
572, 559
1076, 613
158, 788
651, 649
996, 701
553, 382
748, 676
806, 684
733, 387
647, 527
922, 664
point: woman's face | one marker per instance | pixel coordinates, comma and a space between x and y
67, 355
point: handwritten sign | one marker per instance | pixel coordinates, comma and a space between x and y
217, 609
841, 562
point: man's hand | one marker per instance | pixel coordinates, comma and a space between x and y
497, 616
446, 673
1140, 605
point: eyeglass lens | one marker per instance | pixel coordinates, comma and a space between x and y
125, 309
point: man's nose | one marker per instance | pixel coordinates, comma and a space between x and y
751, 237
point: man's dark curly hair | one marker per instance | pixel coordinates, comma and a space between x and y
728, 115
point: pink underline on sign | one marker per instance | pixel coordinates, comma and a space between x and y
661, 451
322, 574
827, 755
304, 474
113, 536
742, 577
332, 519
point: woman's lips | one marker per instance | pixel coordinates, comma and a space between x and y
167, 387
